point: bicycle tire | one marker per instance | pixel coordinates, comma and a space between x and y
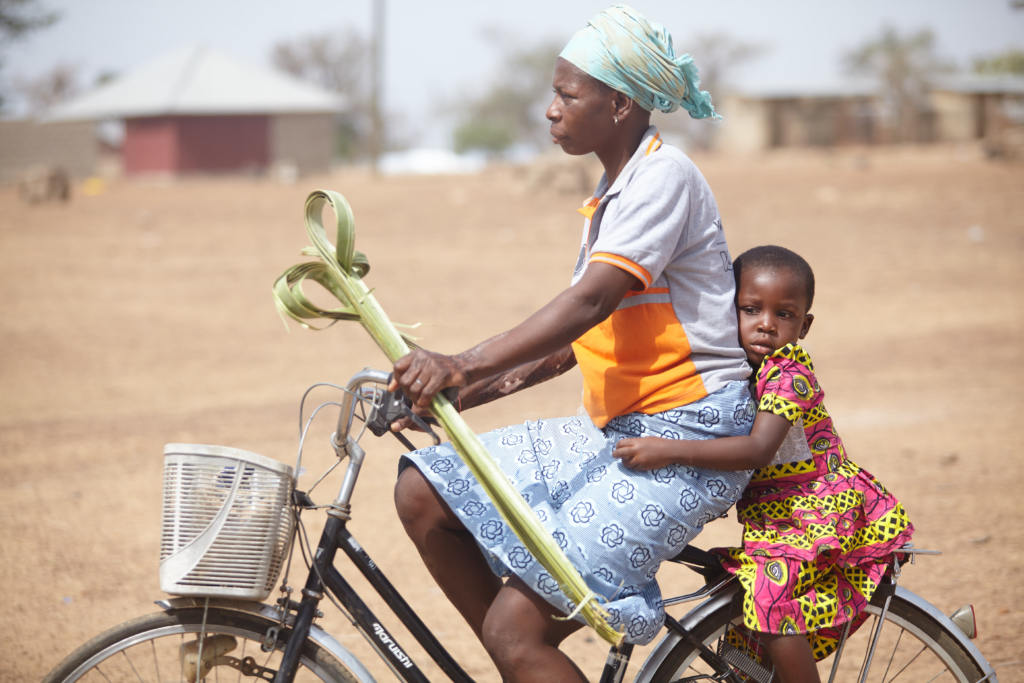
151, 644
945, 661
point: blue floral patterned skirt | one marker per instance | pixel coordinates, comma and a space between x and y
616, 525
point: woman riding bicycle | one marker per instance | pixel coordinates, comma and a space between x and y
650, 320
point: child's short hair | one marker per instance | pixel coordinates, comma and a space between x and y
771, 257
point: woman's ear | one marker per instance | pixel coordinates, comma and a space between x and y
806, 326
621, 105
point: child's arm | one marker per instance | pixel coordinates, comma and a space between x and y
730, 453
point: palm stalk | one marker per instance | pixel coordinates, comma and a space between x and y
340, 270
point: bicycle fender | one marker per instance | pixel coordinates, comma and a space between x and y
270, 613
692, 618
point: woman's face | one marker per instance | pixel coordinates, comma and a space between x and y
582, 113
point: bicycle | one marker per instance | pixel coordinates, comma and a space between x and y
223, 518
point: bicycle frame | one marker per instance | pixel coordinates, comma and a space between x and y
324, 575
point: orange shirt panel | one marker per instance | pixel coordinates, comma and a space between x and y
638, 360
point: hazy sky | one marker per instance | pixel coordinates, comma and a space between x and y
439, 50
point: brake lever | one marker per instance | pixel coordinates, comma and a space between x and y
396, 404
420, 422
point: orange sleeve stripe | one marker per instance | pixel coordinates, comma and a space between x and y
624, 263
649, 290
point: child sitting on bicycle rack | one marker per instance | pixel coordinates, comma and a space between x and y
818, 530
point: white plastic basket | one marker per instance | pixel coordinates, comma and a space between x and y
226, 522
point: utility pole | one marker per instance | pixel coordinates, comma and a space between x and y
377, 86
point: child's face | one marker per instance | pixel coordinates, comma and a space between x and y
772, 310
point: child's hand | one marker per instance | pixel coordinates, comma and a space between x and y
647, 452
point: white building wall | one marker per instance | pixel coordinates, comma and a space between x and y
745, 125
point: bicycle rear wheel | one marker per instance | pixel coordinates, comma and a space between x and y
913, 647
149, 649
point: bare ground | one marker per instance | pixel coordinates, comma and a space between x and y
143, 316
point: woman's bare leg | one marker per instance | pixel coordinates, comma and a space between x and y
792, 657
449, 551
522, 637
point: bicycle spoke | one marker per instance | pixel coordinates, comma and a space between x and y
908, 664
937, 675
695, 671
266, 662
893, 655
867, 649
125, 653
100, 672
156, 663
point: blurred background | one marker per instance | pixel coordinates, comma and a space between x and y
408, 87
154, 162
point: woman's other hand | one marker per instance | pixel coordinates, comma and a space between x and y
648, 452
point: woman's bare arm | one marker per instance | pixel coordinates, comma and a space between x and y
518, 378
509, 382
729, 453
421, 374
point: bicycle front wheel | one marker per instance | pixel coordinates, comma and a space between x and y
913, 647
165, 647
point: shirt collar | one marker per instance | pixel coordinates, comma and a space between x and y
650, 142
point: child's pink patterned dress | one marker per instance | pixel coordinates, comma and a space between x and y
818, 531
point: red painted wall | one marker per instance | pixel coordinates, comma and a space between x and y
150, 144
223, 143
186, 144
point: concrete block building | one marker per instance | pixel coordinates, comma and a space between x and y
960, 109
197, 110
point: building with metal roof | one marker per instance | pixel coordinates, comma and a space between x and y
199, 110
964, 108
985, 108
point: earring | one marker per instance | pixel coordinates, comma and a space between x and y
616, 119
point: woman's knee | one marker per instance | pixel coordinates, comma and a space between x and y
412, 496
418, 505
519, 622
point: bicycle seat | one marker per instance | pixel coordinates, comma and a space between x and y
700, 561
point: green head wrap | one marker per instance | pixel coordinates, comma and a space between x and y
634, 56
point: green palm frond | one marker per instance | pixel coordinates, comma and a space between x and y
340, 270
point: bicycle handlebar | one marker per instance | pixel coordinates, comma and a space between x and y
367, 376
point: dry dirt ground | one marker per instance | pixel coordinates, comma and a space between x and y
143, 316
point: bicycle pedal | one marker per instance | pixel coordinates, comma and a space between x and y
745, 664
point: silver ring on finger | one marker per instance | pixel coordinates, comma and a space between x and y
418, 381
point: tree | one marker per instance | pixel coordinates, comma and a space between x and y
339, 62
490, 137
1010, 62
18, 18
512, 108
57, 85
905, 66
